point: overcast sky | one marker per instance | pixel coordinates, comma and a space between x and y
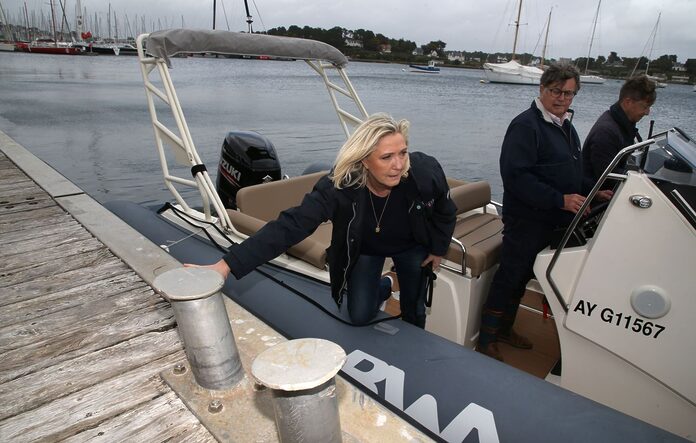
624, 26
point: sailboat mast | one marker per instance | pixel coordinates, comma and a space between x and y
248, 16
53, 22
78, 20
546, 37
652, 44
517, 28
214, 7
594, 27
26, 21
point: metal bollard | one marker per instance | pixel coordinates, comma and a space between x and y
301, 374
203, 325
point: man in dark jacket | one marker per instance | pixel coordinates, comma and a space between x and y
383, 202
543, 185
616, 128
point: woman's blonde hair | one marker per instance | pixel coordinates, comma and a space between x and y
348, 170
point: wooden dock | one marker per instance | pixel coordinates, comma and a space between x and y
82, 337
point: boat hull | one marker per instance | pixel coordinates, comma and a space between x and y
512, 73
443, 388
592, 80
424, 69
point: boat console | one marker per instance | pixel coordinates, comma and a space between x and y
623, 300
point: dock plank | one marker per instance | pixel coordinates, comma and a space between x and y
33, 227
118, 306
67, 416
55, 349
106, 266
55, 236
20, 194
47, 227
30, 391
52, 302
13, 218
52, 259
27, 206
28, 274
165, 418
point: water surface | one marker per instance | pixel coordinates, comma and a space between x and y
87, 116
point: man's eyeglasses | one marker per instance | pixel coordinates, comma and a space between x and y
556, 92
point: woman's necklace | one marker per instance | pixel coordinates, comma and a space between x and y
378, 220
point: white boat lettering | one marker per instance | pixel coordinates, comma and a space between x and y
424, 409
227, 167
615, 318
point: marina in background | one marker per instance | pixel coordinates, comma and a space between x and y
87, 116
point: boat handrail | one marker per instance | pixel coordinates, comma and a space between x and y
578, 216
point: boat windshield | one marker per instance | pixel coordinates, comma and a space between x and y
670, 164
673, 159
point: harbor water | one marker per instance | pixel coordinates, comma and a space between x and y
87, 116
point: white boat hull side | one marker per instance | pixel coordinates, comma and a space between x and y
591, 80
642, 366
512, 72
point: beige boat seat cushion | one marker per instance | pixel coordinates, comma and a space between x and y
260, 204
480, 233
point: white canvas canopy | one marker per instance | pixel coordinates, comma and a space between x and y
165, 44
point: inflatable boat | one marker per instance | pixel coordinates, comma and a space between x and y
619, 282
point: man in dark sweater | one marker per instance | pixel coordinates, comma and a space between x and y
616, 128
541, 168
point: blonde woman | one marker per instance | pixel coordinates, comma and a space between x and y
383, 202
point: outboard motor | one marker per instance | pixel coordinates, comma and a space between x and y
247, 158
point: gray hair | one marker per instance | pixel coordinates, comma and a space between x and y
348, 169
560, 73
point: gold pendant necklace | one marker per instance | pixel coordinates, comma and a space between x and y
378, 220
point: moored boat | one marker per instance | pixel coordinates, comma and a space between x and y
513, 72
429, 69
585, 78
48, 46
432, 376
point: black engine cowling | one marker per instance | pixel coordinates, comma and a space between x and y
247, 158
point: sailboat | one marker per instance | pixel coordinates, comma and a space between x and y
513, 72
651, 40
586, 78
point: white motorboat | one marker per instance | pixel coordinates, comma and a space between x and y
430, 68
619, 282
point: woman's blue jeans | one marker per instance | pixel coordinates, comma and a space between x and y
367, 290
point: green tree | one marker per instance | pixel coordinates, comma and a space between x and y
664, 63
613, 57
437, 46
691, 66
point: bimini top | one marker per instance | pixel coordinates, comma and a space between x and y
164, 44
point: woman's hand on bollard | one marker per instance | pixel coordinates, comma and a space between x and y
220, 267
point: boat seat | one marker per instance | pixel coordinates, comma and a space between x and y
480, 233
262, 203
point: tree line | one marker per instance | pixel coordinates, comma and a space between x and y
402, 50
